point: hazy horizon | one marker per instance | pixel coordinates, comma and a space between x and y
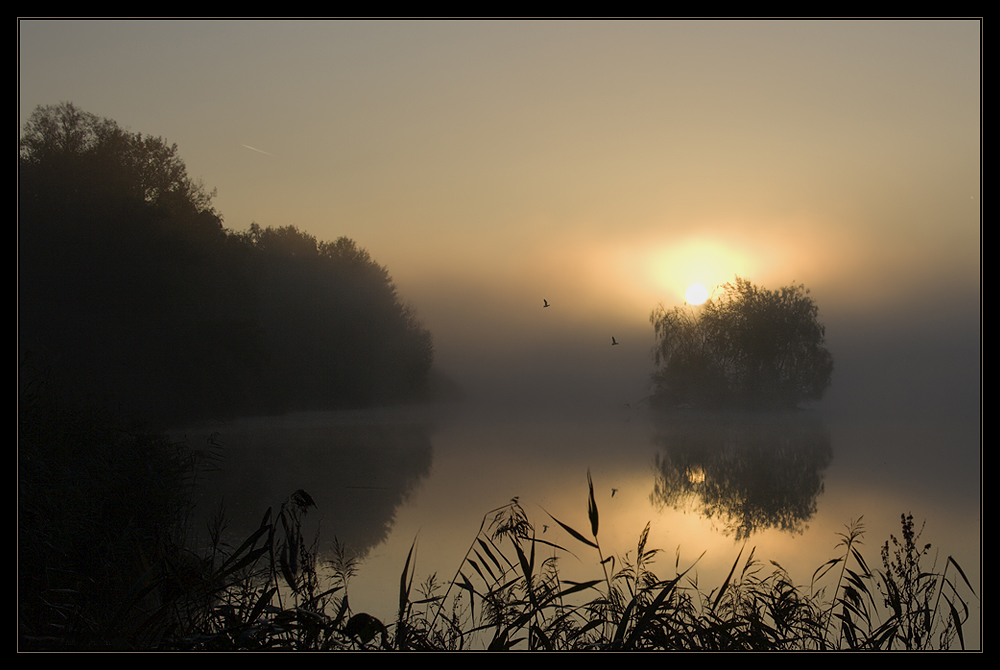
602, 166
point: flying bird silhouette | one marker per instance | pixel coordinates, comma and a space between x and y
546, 303
614, 342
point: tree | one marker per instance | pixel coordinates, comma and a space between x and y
336, 328
127, 277
68, 144
751, 348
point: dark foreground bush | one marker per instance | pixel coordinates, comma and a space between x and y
101, 510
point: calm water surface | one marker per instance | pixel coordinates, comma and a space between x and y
385, 479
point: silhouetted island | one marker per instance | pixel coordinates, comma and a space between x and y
753, 348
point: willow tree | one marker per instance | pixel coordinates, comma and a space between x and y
751, 347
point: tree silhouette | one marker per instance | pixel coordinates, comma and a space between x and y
127, 278
73, 147
752, 348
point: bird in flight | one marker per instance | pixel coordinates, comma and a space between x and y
614, 342
546, 303
613, 492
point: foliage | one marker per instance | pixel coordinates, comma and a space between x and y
76, 149
751, 348
334, 328
914, 596
128, 279
102, 508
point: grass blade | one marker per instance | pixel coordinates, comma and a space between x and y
577, 587
725, 584
961, 572
592, 506
958, 624
572, 532
404, 599
489, 553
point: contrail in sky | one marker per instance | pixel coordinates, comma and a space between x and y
257, 150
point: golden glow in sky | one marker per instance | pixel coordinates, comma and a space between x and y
670, 268
606, 166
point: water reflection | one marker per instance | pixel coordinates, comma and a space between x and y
747, 472
358, 468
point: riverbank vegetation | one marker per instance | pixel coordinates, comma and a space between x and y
504, 596
137, 586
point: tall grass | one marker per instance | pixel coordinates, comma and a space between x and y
504, 596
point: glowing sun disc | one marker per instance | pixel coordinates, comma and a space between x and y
696, 294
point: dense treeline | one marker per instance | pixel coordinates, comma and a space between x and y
132, 291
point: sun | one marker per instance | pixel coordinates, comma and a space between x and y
696, 294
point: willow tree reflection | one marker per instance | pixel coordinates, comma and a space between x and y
747, 472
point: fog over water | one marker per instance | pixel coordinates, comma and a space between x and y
602, 167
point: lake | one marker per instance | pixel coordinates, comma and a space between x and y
786, 485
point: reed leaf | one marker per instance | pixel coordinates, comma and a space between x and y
475, 567
577, 587
466, 584
623, 621
486, 548
649, 611
725, 584
592, 506
265, 527
286, 569
572, 532
536, 635
822, 570
958, 624
883, 635
502, 643
952, 561
589, 626
860, 560
404, 599
527, 567
262, 602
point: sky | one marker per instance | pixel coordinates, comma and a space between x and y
603, 166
